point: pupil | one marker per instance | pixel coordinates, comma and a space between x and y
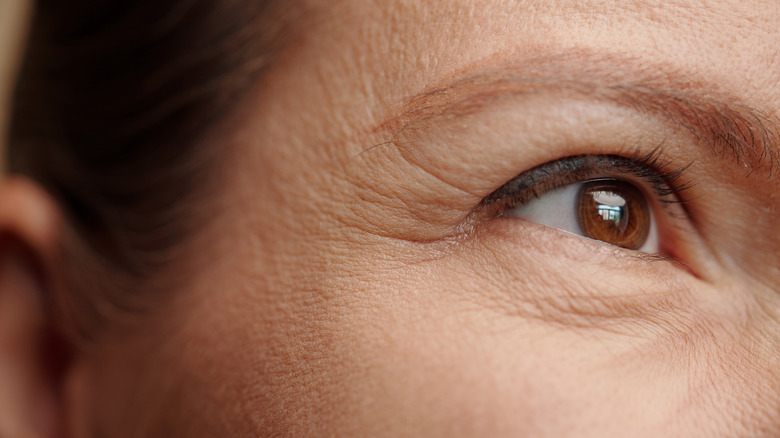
614, 212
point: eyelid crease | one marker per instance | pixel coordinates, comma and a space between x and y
721, 125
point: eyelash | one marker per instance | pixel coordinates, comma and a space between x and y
666, 181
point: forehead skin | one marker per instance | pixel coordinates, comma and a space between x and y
331, 298
420, 42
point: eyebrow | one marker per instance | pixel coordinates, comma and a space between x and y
721, 123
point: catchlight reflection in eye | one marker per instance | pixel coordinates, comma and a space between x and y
608, 210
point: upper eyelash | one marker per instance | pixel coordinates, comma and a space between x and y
666, 181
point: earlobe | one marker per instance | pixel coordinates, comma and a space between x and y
33, 356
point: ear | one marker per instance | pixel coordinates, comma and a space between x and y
33, 357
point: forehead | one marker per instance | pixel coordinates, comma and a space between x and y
397, 46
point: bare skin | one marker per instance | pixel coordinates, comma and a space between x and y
352, 283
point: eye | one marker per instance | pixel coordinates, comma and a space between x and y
612, 199
610, 210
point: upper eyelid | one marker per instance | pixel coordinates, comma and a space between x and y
719, 125
574, 169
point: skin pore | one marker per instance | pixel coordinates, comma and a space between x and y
351, 282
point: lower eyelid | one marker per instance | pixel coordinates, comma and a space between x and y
565, 246
590, 286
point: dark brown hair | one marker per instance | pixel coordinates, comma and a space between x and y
111, 105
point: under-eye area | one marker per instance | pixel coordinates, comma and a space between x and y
533, 272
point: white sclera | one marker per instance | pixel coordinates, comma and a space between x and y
558, 209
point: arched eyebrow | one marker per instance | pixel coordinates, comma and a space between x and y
723, 124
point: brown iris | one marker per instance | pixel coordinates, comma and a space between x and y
614, 212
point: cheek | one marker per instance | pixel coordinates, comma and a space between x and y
477, 342
414, 358
439, 349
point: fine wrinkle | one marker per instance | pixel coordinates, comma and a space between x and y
724, 126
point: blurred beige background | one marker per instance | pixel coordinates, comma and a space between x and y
14, 15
